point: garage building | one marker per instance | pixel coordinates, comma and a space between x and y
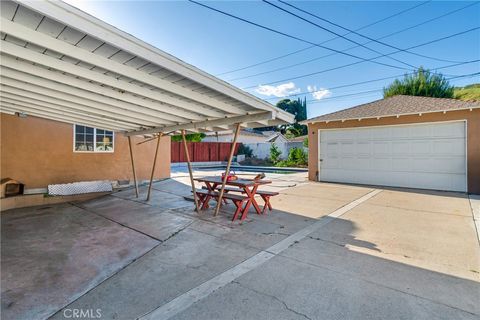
401, 141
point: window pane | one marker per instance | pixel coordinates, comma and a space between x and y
83, 138
79, 129
100, 131
80, 147
79, 138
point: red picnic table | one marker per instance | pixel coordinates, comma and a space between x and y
245, 186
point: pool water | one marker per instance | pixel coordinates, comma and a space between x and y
255, 169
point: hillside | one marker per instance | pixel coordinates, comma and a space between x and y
470, 92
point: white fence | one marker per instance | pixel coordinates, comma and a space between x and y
262, 150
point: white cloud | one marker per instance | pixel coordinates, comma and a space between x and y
280, 91
319, 94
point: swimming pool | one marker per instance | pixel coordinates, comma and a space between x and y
255, 169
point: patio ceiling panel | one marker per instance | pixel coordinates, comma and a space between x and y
151, 107
83, 104
52, 116
26, 102
67, 49
58, 113
57, 59
148, 114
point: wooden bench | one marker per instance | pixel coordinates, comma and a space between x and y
264, 194
266, 198
204, 197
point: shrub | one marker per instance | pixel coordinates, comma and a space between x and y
246, 150
297, 157
305, 142
275, 153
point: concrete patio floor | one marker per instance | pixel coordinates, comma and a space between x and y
327, 251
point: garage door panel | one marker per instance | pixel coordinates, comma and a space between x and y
430, 156
448, 130
449, 165
400, 148
381, 148
420, 147
416, 132
450, 147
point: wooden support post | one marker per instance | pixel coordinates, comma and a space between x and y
153, 167
227, 170
187, 155
133, 166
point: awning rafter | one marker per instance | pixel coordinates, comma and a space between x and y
43, 40
82, 70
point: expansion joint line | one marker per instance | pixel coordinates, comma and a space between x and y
187, 299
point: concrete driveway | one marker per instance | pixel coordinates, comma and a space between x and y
327, 251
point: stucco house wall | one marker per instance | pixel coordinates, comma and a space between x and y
39, 152
473, 137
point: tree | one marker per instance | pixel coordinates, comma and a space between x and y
421, 83
299, 109
191, 137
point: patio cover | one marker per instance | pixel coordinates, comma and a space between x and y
59, 63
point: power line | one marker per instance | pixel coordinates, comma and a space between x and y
294, 37
312, 101
374, 80
331, 39
331, 54
362, 35
358, 62
335, 33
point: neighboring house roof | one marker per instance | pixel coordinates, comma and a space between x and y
396, 106
298, 139
276, 136
60, 63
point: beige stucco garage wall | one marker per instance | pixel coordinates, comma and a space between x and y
473, 137
39, 152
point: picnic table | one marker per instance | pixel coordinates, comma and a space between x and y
245, 186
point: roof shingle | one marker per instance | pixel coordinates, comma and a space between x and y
396, 105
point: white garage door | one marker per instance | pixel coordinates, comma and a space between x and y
427, 156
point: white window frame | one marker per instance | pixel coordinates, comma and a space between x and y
94, 140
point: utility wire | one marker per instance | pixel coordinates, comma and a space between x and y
331, 39
295, 37
370, 81
362, 35
337, 34
358, 62
332, 54
313, 101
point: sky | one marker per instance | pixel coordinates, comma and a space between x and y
218, 44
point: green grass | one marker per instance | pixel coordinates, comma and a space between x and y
468, 93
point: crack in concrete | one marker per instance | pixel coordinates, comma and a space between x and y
276, 233
178, 231
275, 298
328, 241
362, 278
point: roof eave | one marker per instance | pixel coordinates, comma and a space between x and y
313, 120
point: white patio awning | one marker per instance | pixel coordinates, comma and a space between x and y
59, 63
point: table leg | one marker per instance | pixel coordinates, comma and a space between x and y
251, 195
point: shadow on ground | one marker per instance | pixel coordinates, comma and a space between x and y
127, 257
